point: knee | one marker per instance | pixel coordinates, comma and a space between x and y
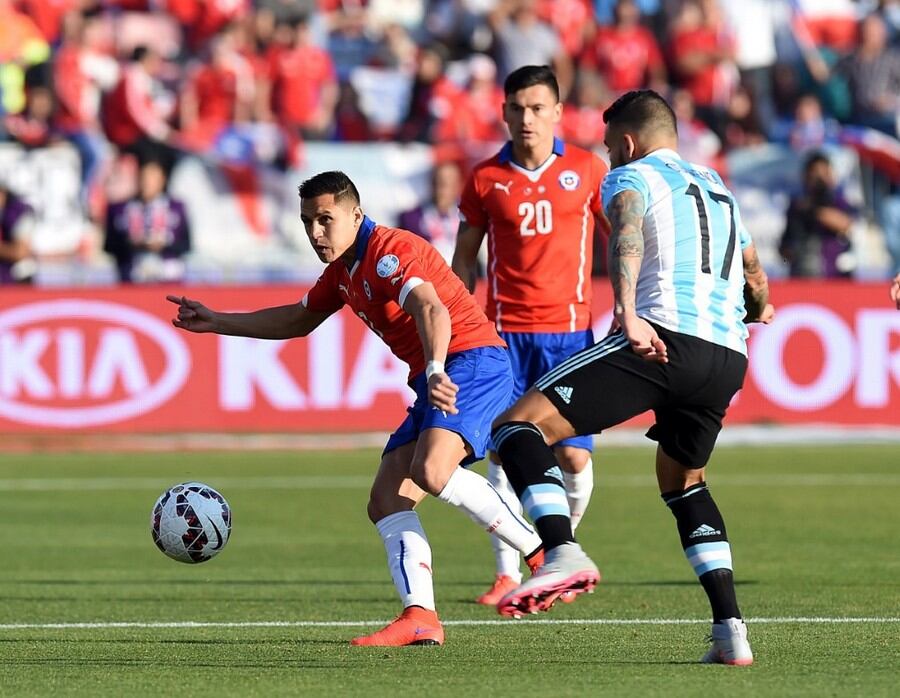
375, 510
573, 460
381, 505
427, 474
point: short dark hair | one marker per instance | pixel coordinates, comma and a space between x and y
529, 76
642, 109
334, 182
815, 158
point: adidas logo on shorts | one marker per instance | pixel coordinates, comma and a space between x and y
565, 392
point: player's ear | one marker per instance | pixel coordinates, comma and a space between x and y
630, 146
557, 112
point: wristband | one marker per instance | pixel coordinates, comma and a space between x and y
433, 367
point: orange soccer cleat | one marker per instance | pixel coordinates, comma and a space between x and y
415, 626
503, 584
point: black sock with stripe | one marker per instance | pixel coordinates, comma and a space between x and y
537, 480
705, 543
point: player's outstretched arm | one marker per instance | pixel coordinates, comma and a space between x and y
433, 323
282, 322
626, 252
756, 289
465, 255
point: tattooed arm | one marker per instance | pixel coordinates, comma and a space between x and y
756, 289
626, 252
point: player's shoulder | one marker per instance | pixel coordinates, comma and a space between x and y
387, 240
576, 153
488, 166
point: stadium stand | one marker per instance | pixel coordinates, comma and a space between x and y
240, 100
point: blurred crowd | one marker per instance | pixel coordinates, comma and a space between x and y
135, 84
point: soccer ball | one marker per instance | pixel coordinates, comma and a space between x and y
190, 522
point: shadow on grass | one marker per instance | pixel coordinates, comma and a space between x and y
195, 582
169, 664
170, 641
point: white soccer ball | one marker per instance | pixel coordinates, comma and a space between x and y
190, 522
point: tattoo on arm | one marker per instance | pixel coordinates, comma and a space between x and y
626, 247
756, 288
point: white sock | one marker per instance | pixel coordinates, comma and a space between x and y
409, 558
507, 557
484, 505
578, 491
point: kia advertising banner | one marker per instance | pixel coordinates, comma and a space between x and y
109, 360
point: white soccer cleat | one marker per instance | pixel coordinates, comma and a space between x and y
566, 570
729, 644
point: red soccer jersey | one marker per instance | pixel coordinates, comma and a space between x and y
390, 263
540, 237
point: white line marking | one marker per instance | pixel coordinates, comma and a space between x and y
808, 620
343, 482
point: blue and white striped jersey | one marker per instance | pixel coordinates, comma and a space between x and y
692, 275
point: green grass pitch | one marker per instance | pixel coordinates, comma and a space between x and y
813, 531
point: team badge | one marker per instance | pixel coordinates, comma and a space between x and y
569, 180
367, 289
387, 265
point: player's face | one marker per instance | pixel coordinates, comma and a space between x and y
531, 116
620, 145
330, 226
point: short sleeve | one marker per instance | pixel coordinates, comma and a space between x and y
400, 267
598, 173
624, 179
324, 297
471, 206
742, 233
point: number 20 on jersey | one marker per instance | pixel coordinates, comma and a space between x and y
537, 218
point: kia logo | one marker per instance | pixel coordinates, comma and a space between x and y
109, 369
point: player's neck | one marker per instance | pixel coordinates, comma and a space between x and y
532, 158
349, 255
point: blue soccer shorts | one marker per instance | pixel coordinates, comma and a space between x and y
534, 354
485, 381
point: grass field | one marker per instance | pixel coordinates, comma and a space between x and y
813, 530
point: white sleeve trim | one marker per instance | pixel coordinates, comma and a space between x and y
305, 300
409, 286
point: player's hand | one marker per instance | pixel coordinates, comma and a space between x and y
895, 291
442, 393
614, 327
192, 315
767, 314
644, 340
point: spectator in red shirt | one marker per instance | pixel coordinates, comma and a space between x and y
582, 121
137, 110
81, 72
572, 19
203, 19
434, 101
482, 102
218, 94
304, 88
351, 125
703, 57
626, 54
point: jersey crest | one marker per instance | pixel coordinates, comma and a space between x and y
387, 265
569, 180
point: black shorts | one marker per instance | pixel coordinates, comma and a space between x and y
608, 383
